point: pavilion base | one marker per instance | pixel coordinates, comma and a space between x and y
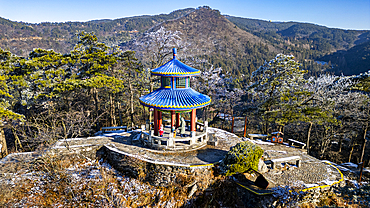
190, 141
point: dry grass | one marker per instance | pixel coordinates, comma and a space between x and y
76, 181
70, 181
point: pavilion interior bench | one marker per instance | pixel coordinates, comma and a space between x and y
296, 159
293, 142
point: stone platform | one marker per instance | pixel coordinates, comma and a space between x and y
312, 173
161, 167
205, 155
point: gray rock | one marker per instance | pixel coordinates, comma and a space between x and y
262, 167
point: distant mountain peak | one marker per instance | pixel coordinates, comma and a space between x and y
233, 43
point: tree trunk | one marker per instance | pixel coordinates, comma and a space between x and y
232, 112
119, 112
112, 116
223, 122
264, 127
325, 142
350, 153
144, 114
3, 147
364, 144
17, 140
308, 137
206, 114
150, 112
96, 100
131, 103
340, 145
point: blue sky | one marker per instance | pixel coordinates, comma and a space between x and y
346, 14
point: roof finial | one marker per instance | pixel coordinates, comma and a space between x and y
174, 52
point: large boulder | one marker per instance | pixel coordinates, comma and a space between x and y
241, 157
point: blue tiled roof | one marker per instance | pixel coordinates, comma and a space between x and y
175, 68
178, 99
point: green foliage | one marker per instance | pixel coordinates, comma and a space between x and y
363, 84
241, 157
277, 85
85, 80
6, 97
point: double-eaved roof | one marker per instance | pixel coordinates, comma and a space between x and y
178, 99
175, 99
175, 68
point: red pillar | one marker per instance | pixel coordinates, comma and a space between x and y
232, 126
155, 122
159, 118
192, 119
172, 118
177, 120
245, 126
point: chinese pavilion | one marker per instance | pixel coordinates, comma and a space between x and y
175, 95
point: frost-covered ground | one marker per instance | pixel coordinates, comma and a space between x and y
76, 180
79, 181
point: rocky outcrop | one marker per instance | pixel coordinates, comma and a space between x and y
162, 175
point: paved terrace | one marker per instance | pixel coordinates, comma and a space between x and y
312, 172
204, 155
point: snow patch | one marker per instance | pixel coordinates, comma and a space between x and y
310, 185
341, 168
349, 165
259, 142
278, 151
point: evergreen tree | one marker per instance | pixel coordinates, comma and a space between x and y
6, 97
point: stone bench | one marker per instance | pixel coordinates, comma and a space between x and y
262, 136
104, 129
296, 159
298, 143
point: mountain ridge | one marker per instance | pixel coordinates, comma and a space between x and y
238, 37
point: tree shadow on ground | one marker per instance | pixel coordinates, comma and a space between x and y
211, 155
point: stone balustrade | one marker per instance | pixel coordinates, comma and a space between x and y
193, 140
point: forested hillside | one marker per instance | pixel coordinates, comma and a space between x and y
206, 34
20, 38
353, 61
308, 41
236, 44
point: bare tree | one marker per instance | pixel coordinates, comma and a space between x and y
45, 128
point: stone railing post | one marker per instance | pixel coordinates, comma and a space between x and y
193, 137
150, 139
170, 141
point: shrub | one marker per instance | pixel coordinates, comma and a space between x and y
241, 157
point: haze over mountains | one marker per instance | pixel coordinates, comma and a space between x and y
236, 44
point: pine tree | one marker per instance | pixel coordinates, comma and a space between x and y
6, 114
